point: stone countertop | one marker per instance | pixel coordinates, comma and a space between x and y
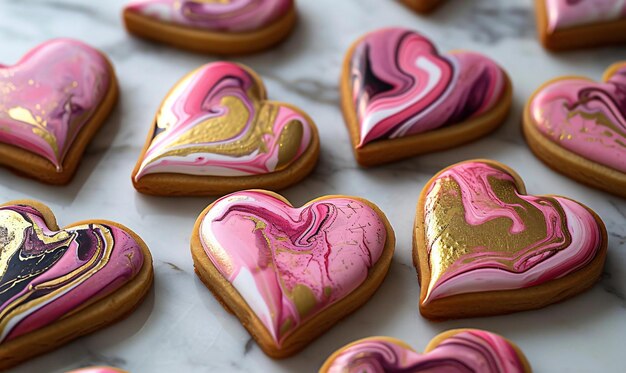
180, 326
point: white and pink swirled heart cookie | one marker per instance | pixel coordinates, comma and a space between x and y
216, 133
567, 24
578, 127
455, 351
57, 284
52, 103
482, 246
400, 97
288, 273
221, 27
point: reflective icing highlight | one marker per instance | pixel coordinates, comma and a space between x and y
215, 15
481, 234
401, 86
585, 117
571, 13
467, 351
46, 275
98, 369
216, 122
49, 95
289, 263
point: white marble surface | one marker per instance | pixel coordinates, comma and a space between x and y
181, 327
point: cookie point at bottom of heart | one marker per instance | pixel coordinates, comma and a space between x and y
485, 247
290, 273
59, 284
475, 350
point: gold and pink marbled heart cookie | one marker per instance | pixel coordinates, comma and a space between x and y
57, 284
52, 102
290, 273
482, 246
216, 132
578, 127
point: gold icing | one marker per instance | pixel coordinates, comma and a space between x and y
289, 143
239, 132
15, 226
450, 237
303, 298
223, 128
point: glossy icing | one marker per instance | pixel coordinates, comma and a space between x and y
482, 235
585, 117
571, 13
46, 275
215, 15
465, 352
49, 95
98, 369
289, 263
402, 86
216, 122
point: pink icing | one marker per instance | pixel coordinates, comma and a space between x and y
483, 270
199, 99
51, 93
231, 15
564, 14
585, 117
267, 249
88, 274
402, 86
465, 352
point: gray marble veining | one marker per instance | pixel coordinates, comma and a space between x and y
181, 327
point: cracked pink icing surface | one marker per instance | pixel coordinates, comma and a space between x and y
471, 351
564, 14
46, 275
402, 86
288, 263
566, 235
215, 15
585, 117
48, 96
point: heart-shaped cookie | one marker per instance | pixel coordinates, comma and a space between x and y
578, 127
52, 102
290, 273
401, 98
59, 284
422, 6
566, 24
222, 27
216, 133
459, 350
484, 247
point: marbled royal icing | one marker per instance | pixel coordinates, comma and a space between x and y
466, 352
482, 235
571, 13
289, 263
215, 15
585, 117
402, 86
49, 95
47, 275
216, 122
